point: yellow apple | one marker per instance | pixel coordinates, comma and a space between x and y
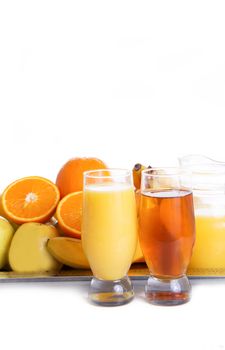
28, 252
6, 235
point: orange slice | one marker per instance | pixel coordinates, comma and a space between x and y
30, 199
69, 214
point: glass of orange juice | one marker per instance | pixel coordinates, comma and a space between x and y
109, 234
167, 233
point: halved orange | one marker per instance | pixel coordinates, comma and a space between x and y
30, 199
69, 214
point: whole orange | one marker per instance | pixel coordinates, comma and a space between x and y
70, 176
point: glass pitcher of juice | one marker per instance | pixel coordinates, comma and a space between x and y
208, 180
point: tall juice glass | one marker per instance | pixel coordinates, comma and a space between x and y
167, 233
109, 233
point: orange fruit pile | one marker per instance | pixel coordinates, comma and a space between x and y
70, 183
37, 199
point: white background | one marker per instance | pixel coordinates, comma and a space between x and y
125, 81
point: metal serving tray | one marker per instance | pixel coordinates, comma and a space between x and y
137, 272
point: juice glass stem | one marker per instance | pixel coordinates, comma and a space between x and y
168, 292
111, 293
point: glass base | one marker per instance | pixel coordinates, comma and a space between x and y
168, 292
111, 293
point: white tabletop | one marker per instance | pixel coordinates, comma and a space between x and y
58, 316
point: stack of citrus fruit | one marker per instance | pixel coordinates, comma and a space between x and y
70, 184
37, 199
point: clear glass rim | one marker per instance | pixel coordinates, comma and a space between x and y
112, 173
166, 172
207, 170
206, 161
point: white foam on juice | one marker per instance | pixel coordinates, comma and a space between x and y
108, 187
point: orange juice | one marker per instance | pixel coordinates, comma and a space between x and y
109, 228
209, 249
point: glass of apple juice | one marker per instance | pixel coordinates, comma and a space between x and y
167, 233
109, 234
